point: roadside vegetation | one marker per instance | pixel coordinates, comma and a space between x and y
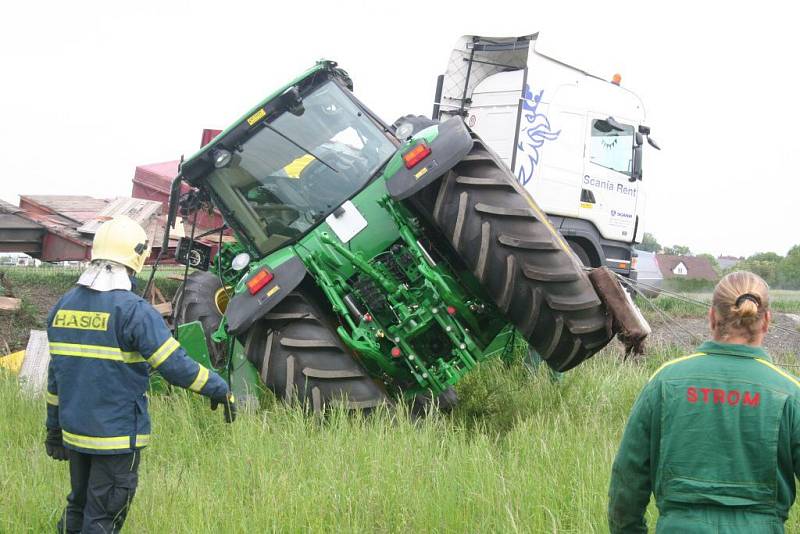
697, 304
522, 452
778, 271
40, 288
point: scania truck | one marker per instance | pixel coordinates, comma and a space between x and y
572, 139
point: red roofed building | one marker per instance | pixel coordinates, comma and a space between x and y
153, 182
688, 267
68, 223
61, 227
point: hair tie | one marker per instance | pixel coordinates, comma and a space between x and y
750, 297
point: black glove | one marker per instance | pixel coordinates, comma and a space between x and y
229, 404
54, 445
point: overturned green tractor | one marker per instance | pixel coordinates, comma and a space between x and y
371, 262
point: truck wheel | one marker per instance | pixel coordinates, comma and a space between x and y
581, 253
301, 358
527, 268
204, 300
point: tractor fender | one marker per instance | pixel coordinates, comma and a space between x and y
450, 146
245, 309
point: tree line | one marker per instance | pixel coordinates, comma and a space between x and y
778, 271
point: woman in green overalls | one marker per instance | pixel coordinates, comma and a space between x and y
715, 435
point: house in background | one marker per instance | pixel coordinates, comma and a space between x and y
726, 262
60, 228
687, 267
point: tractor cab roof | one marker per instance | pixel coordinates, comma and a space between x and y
202, 161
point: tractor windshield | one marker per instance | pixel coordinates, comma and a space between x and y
298, 168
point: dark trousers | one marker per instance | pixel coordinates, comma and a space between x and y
103, 487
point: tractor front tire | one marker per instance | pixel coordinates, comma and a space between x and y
301, 358
202, 298
527, 268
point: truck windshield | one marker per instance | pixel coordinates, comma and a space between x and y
276, 190
612, 146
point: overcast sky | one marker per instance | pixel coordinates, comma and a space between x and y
92, 89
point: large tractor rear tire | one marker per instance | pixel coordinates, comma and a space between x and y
527, 268
301, 358
202, 298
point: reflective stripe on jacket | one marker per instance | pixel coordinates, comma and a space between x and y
715, 437
102, 348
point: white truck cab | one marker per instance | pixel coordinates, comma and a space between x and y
572, 139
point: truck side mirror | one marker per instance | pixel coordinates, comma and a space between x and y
636, 172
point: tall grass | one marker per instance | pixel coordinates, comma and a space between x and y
519, 454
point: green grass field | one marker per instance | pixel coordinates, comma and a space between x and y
520, 454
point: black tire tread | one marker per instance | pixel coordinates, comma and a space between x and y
194, 301
533, 278
302, 359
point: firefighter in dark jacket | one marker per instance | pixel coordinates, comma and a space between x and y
104, 341
714, 435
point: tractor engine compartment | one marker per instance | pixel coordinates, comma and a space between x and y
405, 303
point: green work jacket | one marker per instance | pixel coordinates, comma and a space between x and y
715, 437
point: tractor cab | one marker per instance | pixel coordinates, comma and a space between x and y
293, 160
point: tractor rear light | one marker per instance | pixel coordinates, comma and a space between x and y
259, 280
451, 310
396, 352
367, 318
416, 154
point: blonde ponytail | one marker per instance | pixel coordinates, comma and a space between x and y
741, 302
746, 306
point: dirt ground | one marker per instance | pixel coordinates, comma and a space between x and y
39, 291
782, 341
36, 303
